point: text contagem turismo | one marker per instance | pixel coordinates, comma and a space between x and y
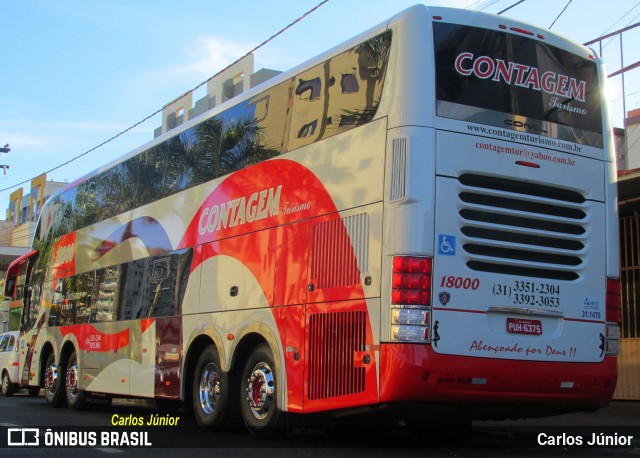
245, 209
485, 67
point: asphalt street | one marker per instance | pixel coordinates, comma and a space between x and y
100, 430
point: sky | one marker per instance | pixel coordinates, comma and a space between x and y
74, 73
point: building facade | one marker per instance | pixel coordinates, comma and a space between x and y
628, 386
16, 233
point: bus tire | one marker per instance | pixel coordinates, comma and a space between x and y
210, 389
8, 388
53, 388
259, 394
34, 391
75, 396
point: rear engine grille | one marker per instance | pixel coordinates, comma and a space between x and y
520, 228
334, 339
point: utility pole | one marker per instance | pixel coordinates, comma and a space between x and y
5, 149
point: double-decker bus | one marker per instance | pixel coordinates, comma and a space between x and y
421, 222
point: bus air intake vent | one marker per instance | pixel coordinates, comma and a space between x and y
399, 169
358, 229
340, 251
334, 339
521, 228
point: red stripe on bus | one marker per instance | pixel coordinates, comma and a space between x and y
90, 339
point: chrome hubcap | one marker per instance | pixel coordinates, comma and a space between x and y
261, 390
209, 388
72, 380
51, 378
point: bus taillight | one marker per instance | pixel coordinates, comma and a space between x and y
613, 301
412, 264
411, 299
613, 316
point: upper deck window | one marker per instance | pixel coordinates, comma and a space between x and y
294, 113
506, 80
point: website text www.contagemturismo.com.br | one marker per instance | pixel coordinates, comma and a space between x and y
523, 136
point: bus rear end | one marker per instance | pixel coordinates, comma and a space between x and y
507, 301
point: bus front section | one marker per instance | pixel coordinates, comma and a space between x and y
503, 294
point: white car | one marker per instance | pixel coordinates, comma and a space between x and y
9, 364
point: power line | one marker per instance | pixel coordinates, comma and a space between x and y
121, 133
620, 19
473, 4
561, 12
487, 5
626, 95
508, 8
613, 38
478, 6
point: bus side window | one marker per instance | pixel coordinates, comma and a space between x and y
54, 311
86, 210
34, 292
132, 289
160, 301
76, 303
152, 173
107, 294
349, 83
308, 129
314, 86
27, 312
24, 317
10, 286
259, 108
167, 277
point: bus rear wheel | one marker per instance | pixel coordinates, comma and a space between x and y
210, 389
259, 394
75, 396
34, 391
53, 392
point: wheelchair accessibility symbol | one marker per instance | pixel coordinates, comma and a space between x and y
446, 244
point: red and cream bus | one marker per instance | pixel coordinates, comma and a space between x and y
421, 221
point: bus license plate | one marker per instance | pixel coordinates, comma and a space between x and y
522, 326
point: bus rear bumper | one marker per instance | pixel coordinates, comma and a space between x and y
415, 373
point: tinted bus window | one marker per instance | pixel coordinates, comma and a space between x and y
481, 75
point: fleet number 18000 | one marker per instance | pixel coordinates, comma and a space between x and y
450, 281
